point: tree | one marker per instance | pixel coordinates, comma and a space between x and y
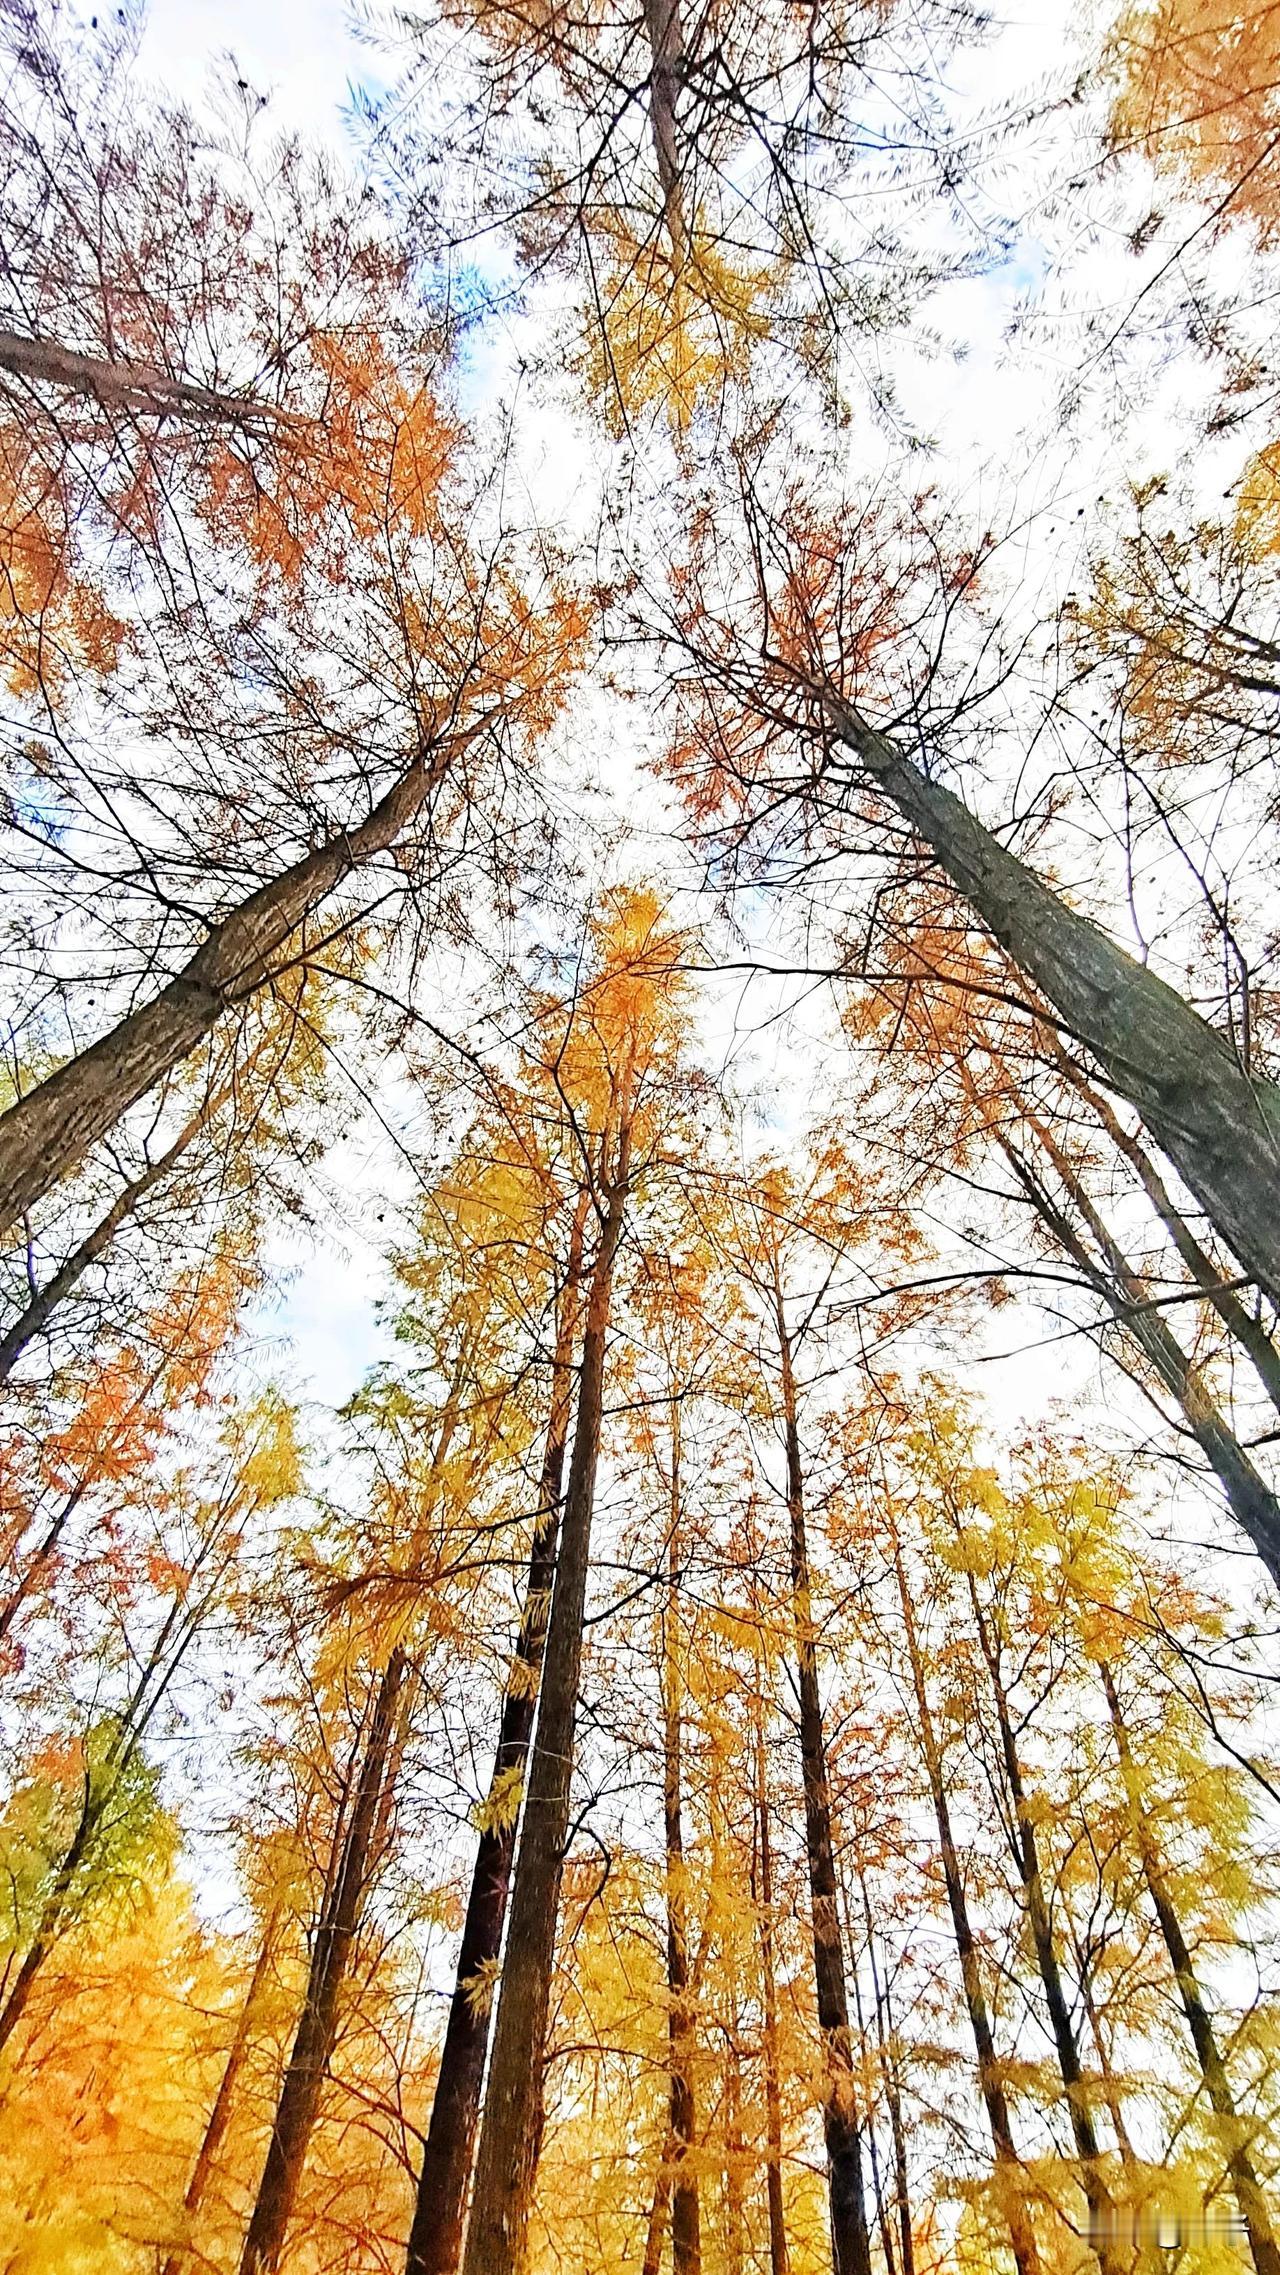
779, 730
615, 1054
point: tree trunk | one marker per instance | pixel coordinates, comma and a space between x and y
850, 2239
873, 2150
435, 2238
763, 1901
44, 1302
331, 1954
1220, 1129
1102, 2220
1110, 2084
224, 2099
1239, 1322
46, 1134
666, 53
735, 2245
990, 2084
121, 385
506, 2157
1232, 2131
686, 2238
893, 2097
53, 1911
1248, 1495
660, 2205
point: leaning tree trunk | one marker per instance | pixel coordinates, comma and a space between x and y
435, 2238
54, 1910
762, 1898
1249, 1497
331, 1955
850, 2238
1236, 1318
46, 1134
1220, 1129
1102, 2216
664, 30
1232, 2131
507, 2152
686, 2236
98, 1239
990, 2084
121, 385
224, 2099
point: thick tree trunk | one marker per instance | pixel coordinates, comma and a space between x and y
506, 2157
331, 1955
435, 2238
1220, 1129
990, 2084
46, 1134
665, 34
1232, 2131
686, 2237
850, 2238
659, 2208
224, 2099
1103, 2229
120, 385
762, 1897
1248, 1495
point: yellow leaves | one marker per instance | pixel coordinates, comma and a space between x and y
669, 335
482, 1986
500, 1809
264, 1438
1258, 505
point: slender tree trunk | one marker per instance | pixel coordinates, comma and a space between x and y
990, 2083
1232, 2131
893, 2097
735, 2249
850, 2238
1220, 1129
686, 2237
46, 1134
44, 1302
435, 2238
506, 2156
1110, 2086
1248, 1331
53, 1911
224, 2099
762, 1897
331, 1954
873, 2150
1102, 2218
1249, 1497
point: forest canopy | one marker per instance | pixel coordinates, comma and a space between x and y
639, 1139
